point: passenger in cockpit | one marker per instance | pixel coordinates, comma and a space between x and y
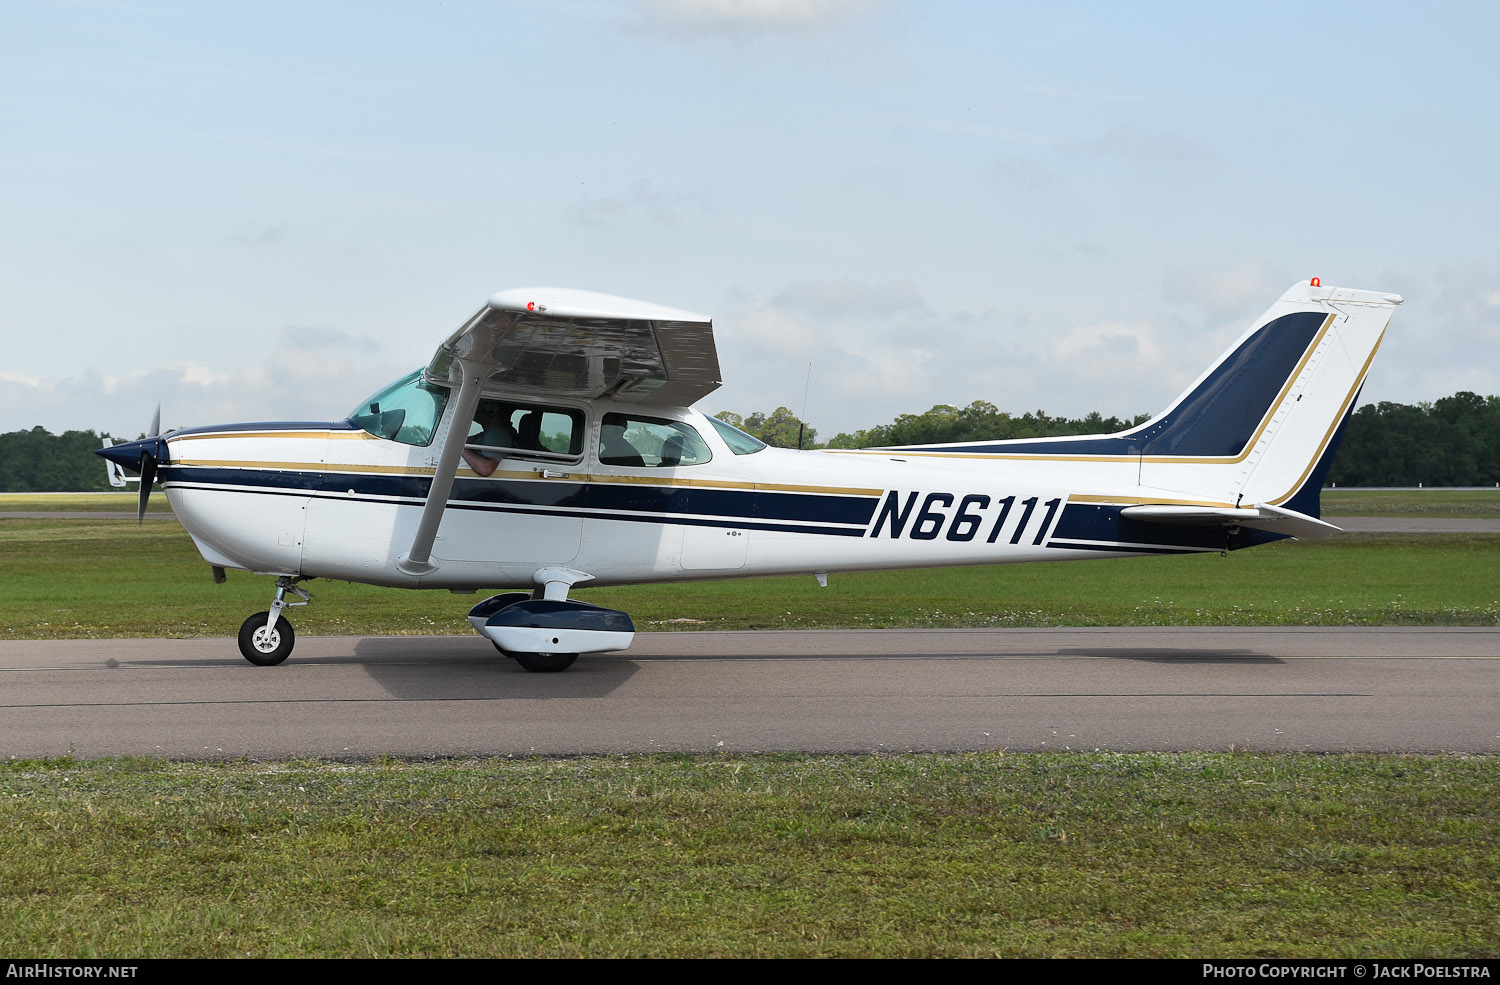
616, 449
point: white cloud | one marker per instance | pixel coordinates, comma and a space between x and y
1442, 339
1105, 348
870, 364
767, 328
307, 375
1237, 288
188, 373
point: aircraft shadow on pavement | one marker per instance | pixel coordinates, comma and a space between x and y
470, 670
1166, 656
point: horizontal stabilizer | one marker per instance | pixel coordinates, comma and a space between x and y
1262, 517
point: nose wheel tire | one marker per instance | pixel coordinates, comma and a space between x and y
539, 663
266, 647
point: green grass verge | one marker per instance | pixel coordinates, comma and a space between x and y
123, 501
1458, 504
965, 855
109, 578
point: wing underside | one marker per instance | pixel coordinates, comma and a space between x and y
560, 343
585, 345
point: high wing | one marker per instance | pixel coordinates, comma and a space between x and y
585, 345
565, 343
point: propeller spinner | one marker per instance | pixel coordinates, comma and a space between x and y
142, 456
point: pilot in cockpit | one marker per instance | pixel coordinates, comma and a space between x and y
495, 431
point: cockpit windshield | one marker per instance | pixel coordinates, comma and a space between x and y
738, 441
406, 411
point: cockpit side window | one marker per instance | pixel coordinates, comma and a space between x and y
407, 411
522, 429
649, 442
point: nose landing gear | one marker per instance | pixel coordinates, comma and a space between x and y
266, 638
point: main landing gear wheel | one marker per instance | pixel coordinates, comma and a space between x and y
543, 663
266, 647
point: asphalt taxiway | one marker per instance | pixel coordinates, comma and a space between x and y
1315, 689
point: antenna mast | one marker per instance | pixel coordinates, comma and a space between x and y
802, 418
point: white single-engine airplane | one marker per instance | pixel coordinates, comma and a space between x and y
551, 444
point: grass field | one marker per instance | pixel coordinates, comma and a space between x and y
102, 578
80, 502
1043, 855
971, 855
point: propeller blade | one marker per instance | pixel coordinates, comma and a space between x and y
148, 476
156, 421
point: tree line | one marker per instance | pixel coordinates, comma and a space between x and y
1454, 441
40, 461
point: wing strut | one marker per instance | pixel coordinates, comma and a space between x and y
474, 372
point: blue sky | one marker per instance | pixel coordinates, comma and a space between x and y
263, 211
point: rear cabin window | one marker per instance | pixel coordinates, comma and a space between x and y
649, 442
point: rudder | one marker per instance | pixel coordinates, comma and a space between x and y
1286, 466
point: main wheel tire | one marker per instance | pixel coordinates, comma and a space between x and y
266, 648
545, 663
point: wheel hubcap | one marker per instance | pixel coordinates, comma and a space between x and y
266, 640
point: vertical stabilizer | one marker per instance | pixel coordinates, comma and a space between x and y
1260, 427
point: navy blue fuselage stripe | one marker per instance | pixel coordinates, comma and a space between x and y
1217, 418
751, 506
578, 513
1128, 548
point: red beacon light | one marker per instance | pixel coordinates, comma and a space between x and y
531, 305
1317, 282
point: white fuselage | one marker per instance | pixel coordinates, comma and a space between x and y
332, 501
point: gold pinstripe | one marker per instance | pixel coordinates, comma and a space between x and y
228, 463
1143, 501
535, 476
